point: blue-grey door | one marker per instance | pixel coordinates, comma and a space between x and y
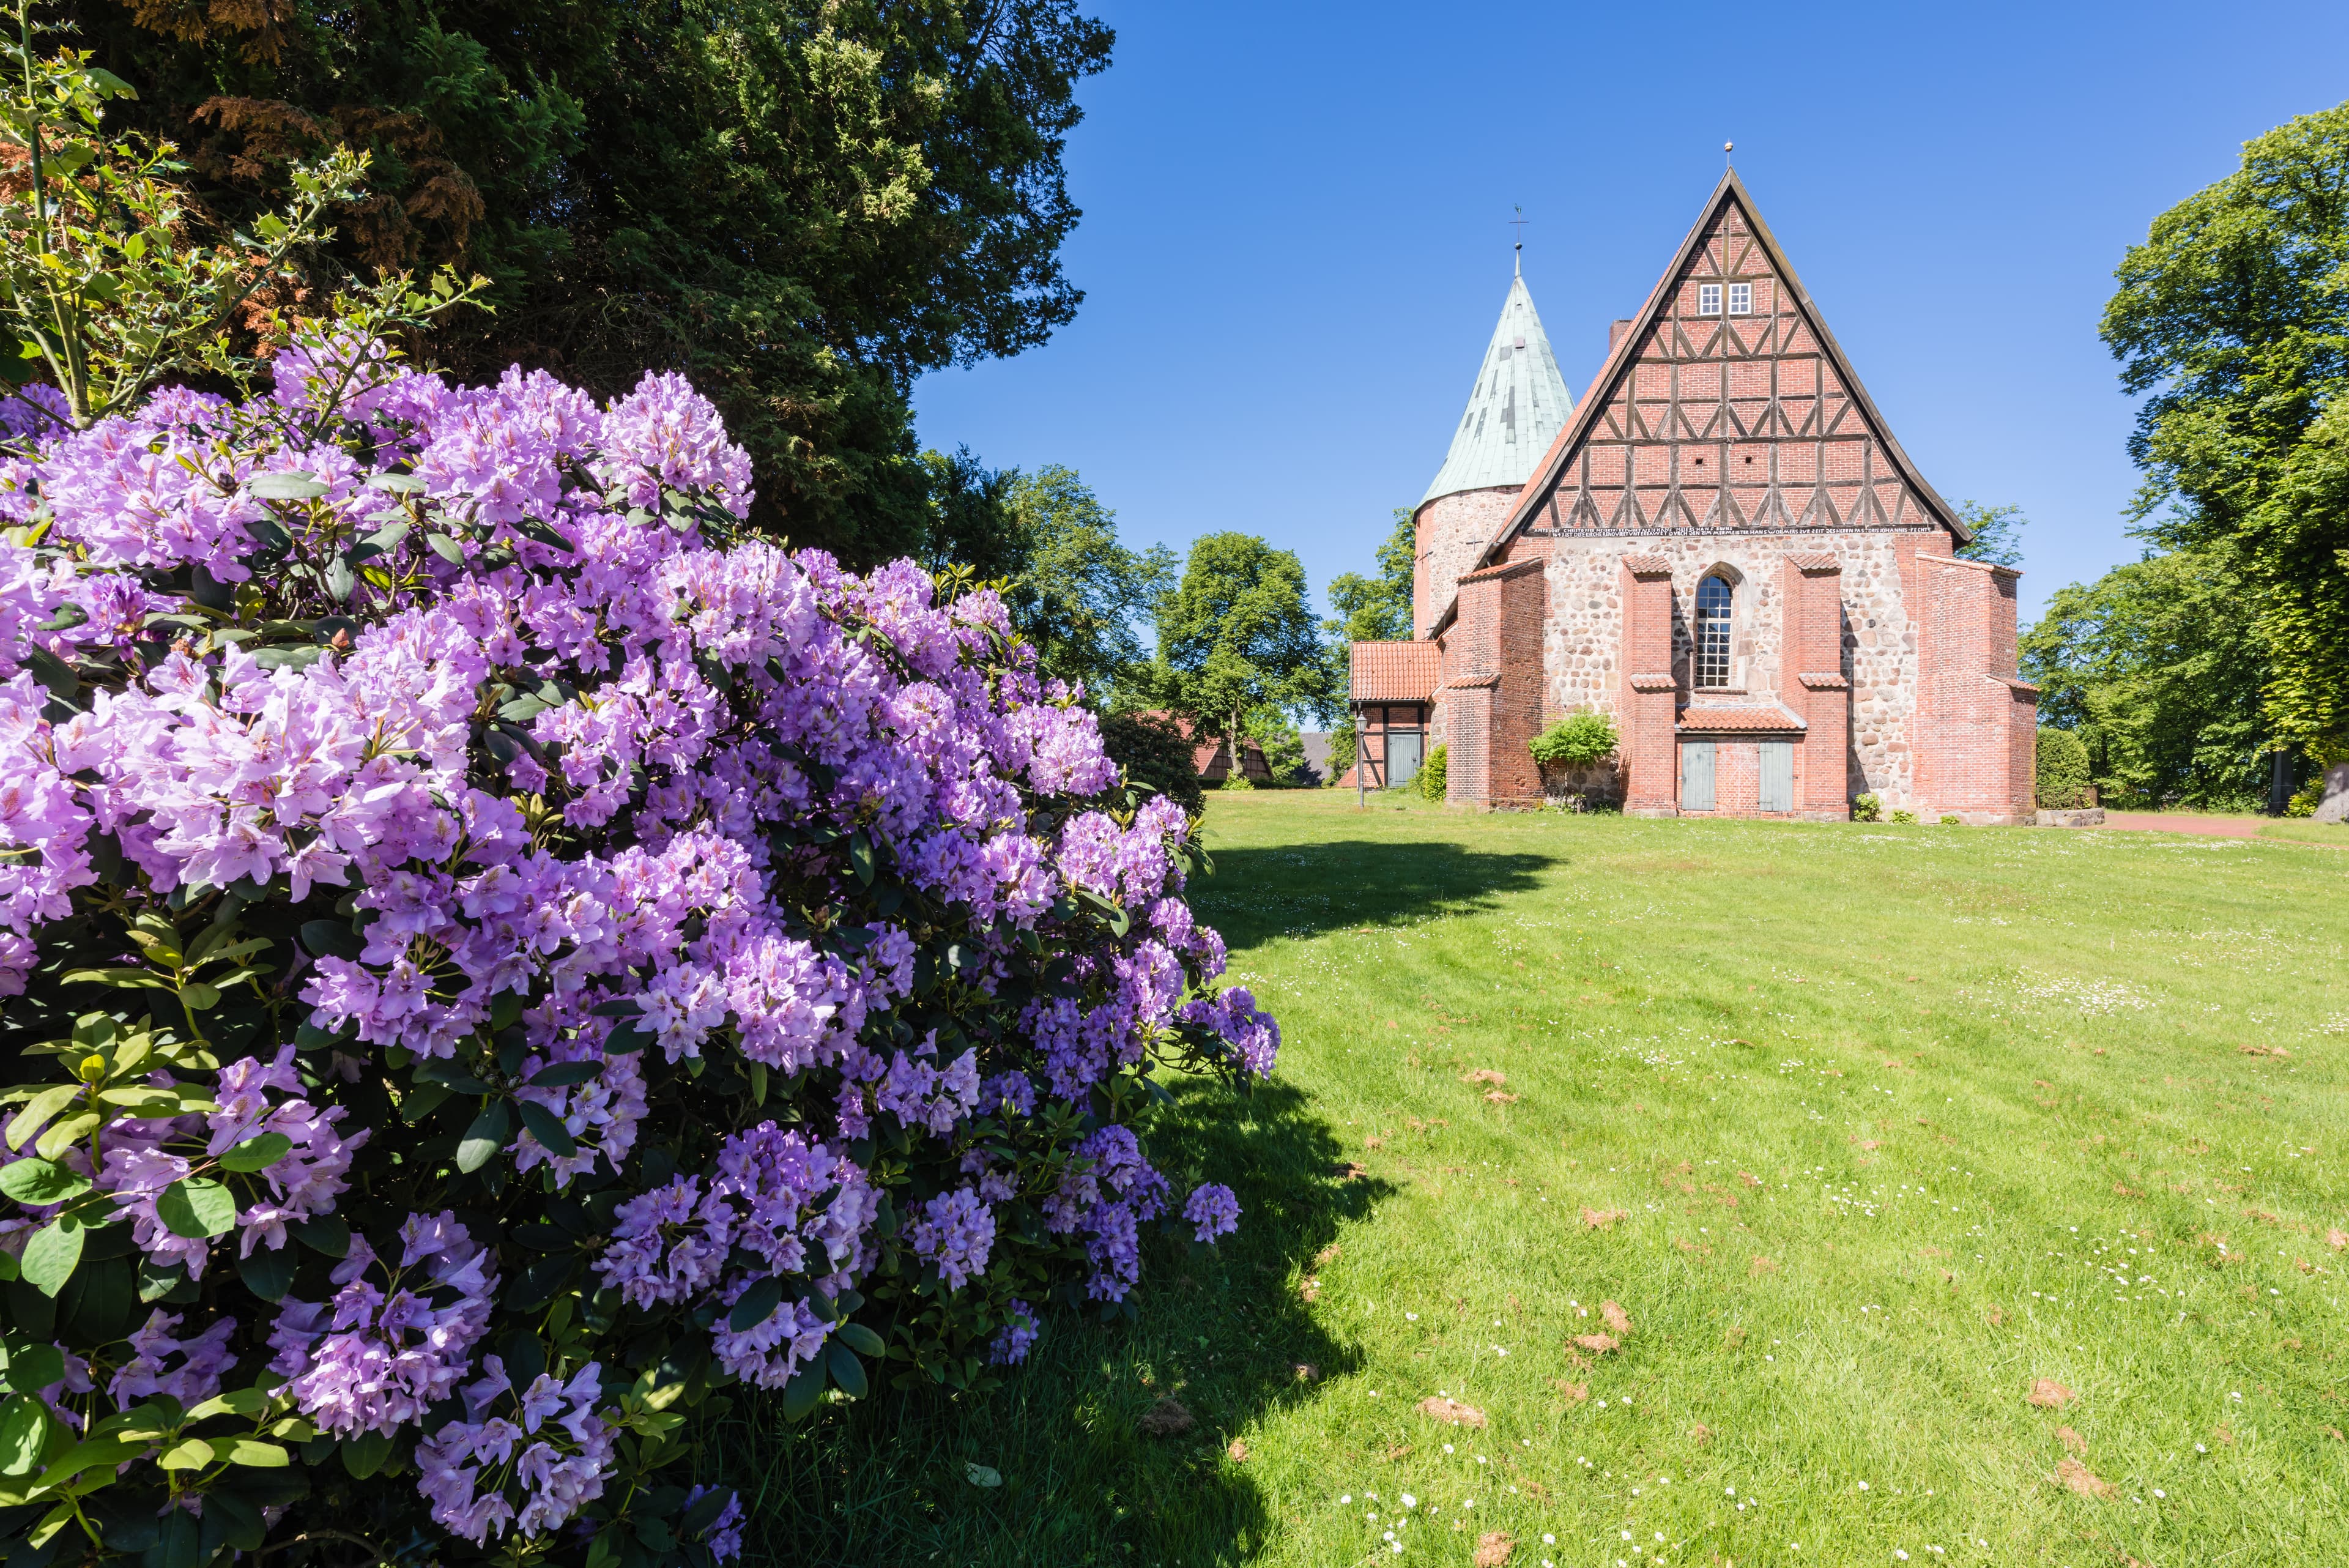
1402, 758
1696, 775
1777, 776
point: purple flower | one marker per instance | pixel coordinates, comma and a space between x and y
957, 1231
1214, 1209
1012, 1342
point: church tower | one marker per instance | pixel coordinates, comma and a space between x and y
1516, 409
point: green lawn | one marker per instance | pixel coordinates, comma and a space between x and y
1890, 1122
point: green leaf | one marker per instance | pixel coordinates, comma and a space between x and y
846, 1370
268, 1274
24, 1434
296, 486
532, 528
187, 1454
41, 1182
802, 1392
36, 1114
859, 857
51, 1256
756, 1305
257, 1153
982, 1475
564, 1073
199, 996
364, 1453
484, 1139
179, 1541
328, 1235
445, 548
34, 1367
332, 938
253, 1452
400, 484
288, 657
235, 1402
859, 1338
196, 1207
618, 1007
547, 1129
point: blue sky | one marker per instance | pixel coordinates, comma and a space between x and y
1296, 235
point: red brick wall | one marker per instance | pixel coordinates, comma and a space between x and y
1818, 689
1972, 759
1647, 746
1493, 668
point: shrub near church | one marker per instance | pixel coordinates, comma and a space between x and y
512, 957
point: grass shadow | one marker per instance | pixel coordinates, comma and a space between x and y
1223, 1331
1303, 890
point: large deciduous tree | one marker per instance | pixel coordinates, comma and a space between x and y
1236, 637
2232, 319
2159, 671
1073, 589
804, 203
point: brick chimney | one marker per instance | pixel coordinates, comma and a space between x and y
1615, 331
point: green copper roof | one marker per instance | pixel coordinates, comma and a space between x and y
1517, 409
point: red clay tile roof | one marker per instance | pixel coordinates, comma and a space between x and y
1814, 560
1737, 720
1396, 672
1648, 565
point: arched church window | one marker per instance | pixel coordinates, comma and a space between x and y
1713, 604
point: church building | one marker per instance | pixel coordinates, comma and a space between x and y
1723, 549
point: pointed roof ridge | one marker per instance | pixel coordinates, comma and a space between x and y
1626, 349
1518, 403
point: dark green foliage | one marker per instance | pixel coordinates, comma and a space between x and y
2159, 670
1378, 610
2063, 783
803, 204
1432, 776
2232, 319
1073, 590
1153, 751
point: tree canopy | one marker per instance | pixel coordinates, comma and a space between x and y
2156, 670
2233, 319
1377, 609
1236, 636
803, 204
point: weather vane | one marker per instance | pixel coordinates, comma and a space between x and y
1726, 149
1518, 223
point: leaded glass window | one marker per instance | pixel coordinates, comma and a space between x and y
1713, 600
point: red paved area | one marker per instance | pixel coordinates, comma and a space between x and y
2165, 822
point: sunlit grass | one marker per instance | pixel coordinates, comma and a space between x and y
1896, 1122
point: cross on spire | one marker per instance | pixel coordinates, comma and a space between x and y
1518, 223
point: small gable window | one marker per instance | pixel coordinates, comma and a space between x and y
1741, 299
1712, 606
1708, 299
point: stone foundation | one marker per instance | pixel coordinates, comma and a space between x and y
2094, 816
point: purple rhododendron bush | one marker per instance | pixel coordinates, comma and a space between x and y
494, 957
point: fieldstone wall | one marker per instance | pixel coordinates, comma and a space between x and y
1584, 638
1453, 531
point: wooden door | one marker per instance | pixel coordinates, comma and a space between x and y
1696, 775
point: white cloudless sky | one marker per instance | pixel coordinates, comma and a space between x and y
1295, 236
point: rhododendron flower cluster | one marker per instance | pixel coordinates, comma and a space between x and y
513, 954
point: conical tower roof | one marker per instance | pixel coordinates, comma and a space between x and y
1516, 409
